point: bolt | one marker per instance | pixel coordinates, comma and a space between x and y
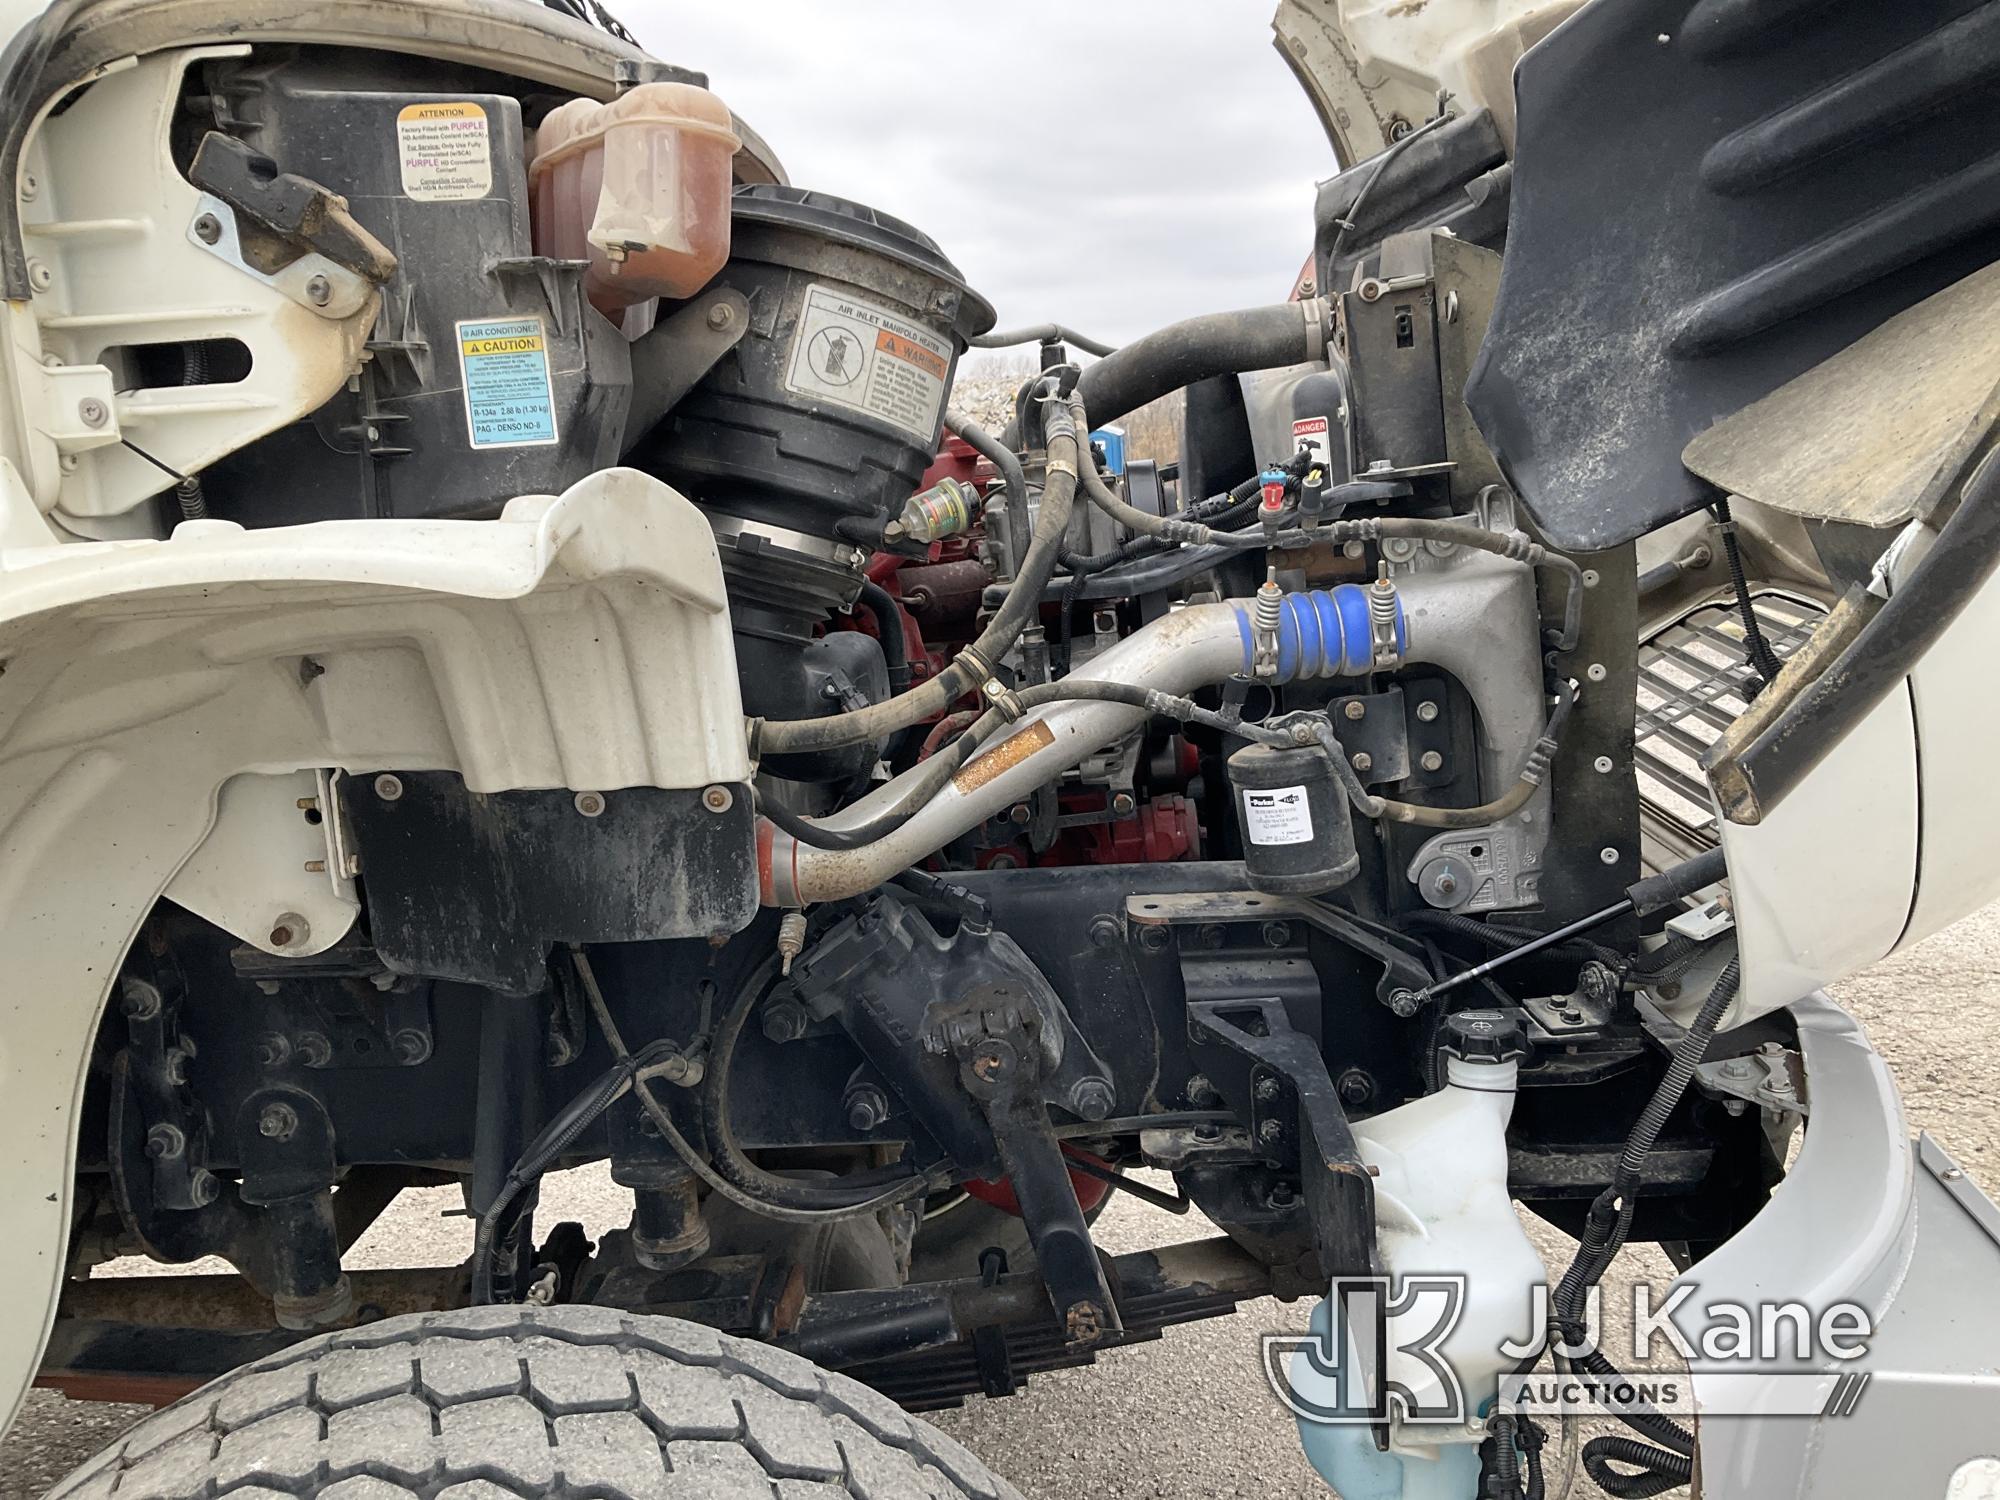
41, 278
1208, 1130
1664, 39
1019, 814
1281, 1196
1269, 1131
1104, 930
1597, 982
1363, 761
1735, 1106
1671, 990
1572, 1016
1445, 883
1122, 805
1953, 1174
1091, 1098
319, 291
165, 1143
139, 1000
1451, 307
1607, 856
289, 930
1153, 939
1371, 290
1276, 934
208, 229
866, 1108
784, 1021
721, 316
410, 1046
1430, 760
278, 1122
1427, 713
1403, 1003
273, 1049
1265, 1090
1355, 1087
1354, 708
1602, 765
203, 1187
1208, 935
718, 799
30, 186
589, 804
1200, 1092
92, 412
177, 1062
388, 788
315, 1051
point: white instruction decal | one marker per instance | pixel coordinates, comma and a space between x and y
508, 403
864, 357
446, 150
1281, 815
1310, 433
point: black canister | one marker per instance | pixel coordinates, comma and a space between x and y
1298, 835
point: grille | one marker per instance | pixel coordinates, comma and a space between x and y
1694, 679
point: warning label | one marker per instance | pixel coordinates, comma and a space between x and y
1310, 432
864, 357
505, 364
1278, 816
446, 151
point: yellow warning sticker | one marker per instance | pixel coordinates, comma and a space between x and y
446, 150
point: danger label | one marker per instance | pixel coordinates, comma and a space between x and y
1311, 433
1281, 815
446, 151
508, 401
861, 356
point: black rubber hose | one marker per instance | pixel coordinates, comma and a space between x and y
1013, 478
1762, 660
1042, 333
1226, 343
1658, 1470
939, 769
1022, 604
889, 624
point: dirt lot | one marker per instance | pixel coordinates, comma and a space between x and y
1189, 1416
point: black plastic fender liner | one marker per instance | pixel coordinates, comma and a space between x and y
1710, 197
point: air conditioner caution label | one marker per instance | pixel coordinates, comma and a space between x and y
446, 150
864, 357
505, 365
1281, 815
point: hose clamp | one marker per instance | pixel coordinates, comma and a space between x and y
1003, 698
1060, 466
1315, 310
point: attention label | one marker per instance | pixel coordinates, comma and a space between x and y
508, 401
864, 357
446, 151
1281, 815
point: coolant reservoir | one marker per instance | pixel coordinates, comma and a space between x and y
1442, 1211
640, 188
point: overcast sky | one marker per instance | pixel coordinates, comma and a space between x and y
1111, 164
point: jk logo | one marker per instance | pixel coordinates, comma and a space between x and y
1373, 1355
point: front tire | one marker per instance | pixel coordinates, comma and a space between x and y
517, 1401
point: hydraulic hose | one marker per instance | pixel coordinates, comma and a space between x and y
1013, 478
889, 626
974, 665
1177, 529
937, 770
1509, 544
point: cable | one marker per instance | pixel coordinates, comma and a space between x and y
1042, 333
657, 1113
939, 770
1763, 661
1659, 1470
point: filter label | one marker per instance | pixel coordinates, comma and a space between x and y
446, 151
1281, 815
866, 358
508, 400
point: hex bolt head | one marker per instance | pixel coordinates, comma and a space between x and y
1269, 1131
1091, 1098
278, 1122
784, 1021
410, 1046
1265, 1089
1363, 761
165, 1143
1105, 930
1427, 713
1122, 805
92, 412
866, 1108
388, 788
1200, 1092
1019, 814
718, 799
589, 804
1404, 1003
315, 1051
203, 1187
289, 930
1430, 760
1354, 708
319, 291
208, 229
721, 316
139, 1000
1153, 939
1355, 1087
274, 1049
1276, 934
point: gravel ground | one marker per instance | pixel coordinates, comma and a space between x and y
1189, 1415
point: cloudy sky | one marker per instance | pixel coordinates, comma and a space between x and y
1111, 164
